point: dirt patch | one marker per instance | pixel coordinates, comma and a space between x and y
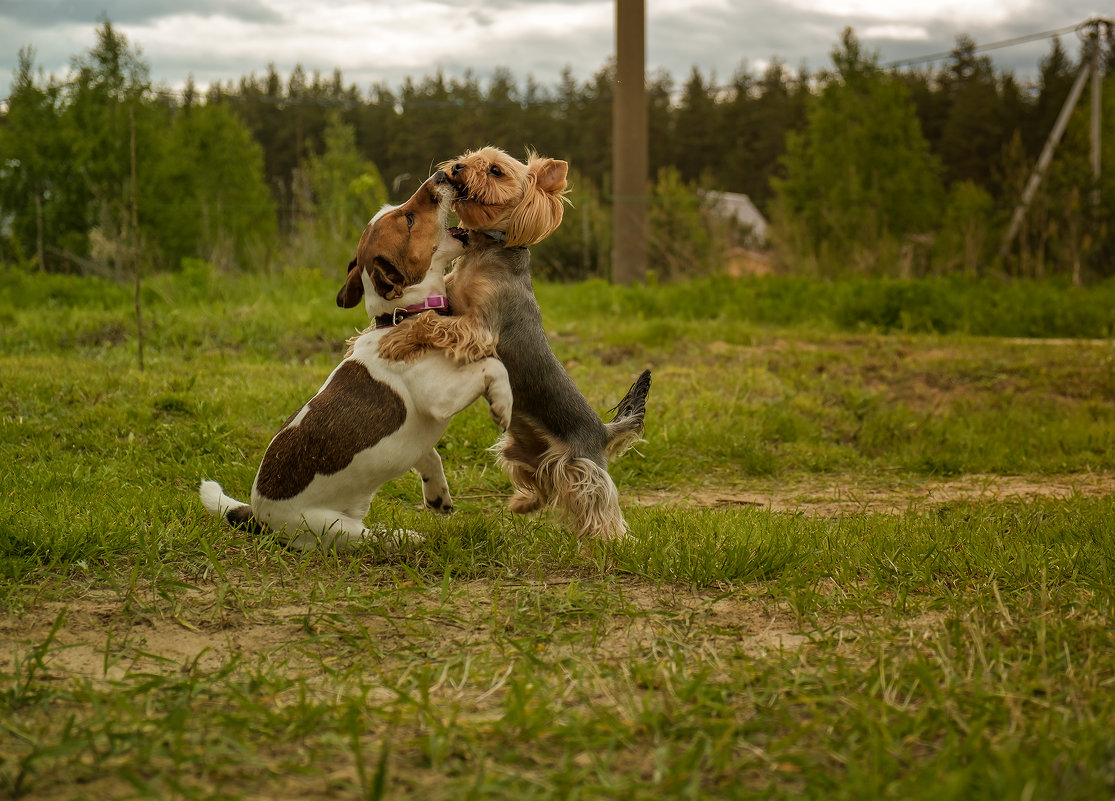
472, 639
99, 639
831, 497
103, 637
615, 641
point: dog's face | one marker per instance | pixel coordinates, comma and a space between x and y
398, 245
495, 192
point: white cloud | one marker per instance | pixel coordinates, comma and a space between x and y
385, 41
960, 12
365, 39
897, 32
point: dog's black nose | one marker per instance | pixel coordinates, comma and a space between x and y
441, 177
458, 167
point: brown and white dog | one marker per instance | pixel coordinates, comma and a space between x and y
373, 419
557, 448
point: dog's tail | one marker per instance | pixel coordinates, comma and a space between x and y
239, 515
626, 427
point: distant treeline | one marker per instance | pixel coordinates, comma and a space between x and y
861, 170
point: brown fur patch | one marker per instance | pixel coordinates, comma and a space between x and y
526, 499
478, 217
395, 250
475, 297
463, 339
524, 443
351, 413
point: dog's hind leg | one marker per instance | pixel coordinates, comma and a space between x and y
528, 496
518, 452
435, 488
328, 530
322, 530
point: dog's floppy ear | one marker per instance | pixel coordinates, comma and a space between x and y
353, 289
388, 281
549, 174
540, 211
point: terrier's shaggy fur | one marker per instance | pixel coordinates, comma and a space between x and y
557, 449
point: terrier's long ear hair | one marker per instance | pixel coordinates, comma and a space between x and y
541, 208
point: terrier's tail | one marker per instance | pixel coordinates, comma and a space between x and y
626, 427
239, 515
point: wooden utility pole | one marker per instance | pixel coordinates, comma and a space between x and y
1044, 159
629, 145
1090, 66
1097, 100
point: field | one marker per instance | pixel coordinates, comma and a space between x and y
872, 556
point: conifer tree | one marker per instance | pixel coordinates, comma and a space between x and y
860, 177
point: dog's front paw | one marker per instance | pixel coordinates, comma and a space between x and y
439, 503
397, 539
435, 489
500, 402
501, 414
525, 502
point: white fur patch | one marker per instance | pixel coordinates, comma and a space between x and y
298, 418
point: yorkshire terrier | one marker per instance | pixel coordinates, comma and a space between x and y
557, 449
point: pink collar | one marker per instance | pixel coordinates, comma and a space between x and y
438, 303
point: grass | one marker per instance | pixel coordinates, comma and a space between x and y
960, 648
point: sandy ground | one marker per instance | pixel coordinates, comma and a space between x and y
836, 497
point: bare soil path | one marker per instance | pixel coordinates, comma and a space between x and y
831, 496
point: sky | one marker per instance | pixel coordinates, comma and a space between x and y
373, 41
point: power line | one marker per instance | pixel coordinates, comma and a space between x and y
1033, 37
